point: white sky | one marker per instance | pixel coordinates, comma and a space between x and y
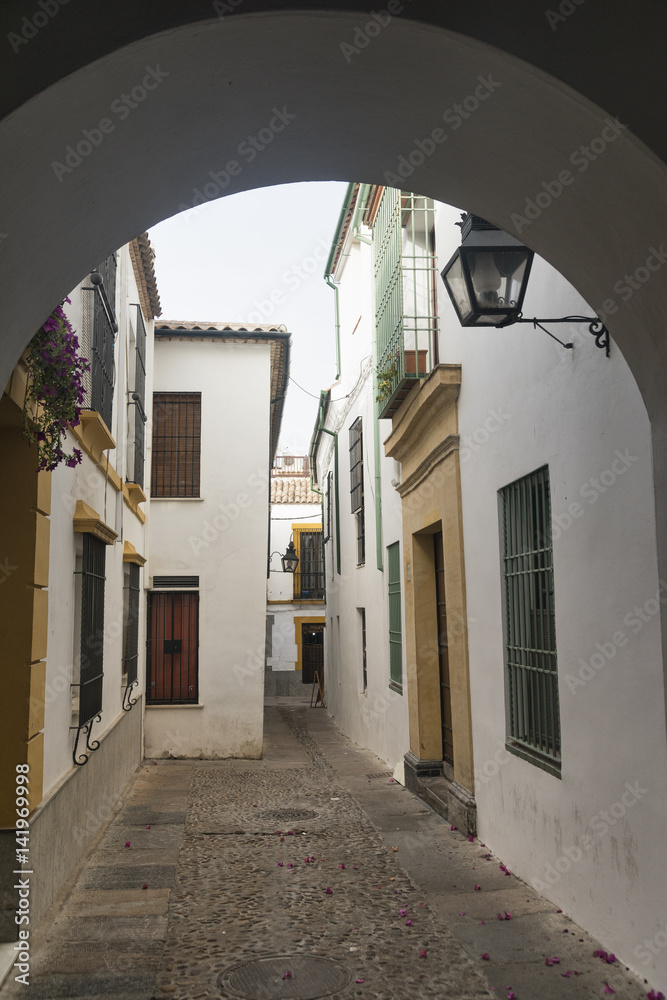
222, 262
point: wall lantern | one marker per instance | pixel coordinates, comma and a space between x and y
487, 279
290, 560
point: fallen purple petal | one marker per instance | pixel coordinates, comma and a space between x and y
608, 988
477, 888
287, 975
423, 953
360, 980
408, 923
486, 956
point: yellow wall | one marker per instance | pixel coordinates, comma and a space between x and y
424, 439
25, 505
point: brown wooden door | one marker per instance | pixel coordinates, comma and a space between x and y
443, 651
173, 645
312, 653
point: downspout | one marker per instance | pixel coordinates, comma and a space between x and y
321, 429
332, 284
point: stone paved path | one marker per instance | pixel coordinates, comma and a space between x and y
215, 876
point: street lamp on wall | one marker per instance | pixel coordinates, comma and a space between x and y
289, 560
487, 279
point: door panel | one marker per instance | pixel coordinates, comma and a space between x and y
173, 648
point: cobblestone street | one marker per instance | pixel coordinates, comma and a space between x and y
306, 874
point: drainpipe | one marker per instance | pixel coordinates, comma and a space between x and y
359, 210
332, 284
321, 429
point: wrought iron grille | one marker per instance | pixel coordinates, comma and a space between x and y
395, 626
139, 400
405, 276
531, 662
357, 486
131, 651
97, 343
92, 628
176, 444
309, 576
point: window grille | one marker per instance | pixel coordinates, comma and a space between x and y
97, 341
395, 626
138, 398
175, 582
357, 486
92, 628
309, 575
329, 533
364, 658
405, 277
131, 633
530, 652
176, 444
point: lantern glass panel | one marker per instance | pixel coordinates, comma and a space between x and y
497, 279
458, 289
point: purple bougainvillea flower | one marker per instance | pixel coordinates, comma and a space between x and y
471, 838
500, 916
145, 885
452, 828
486, 956
611, 958
481, 922
127, 843
408, 923
511, 995
508, 916
360, 980
655, 995
608, 988
462, 913
599, 953
329, 891
280, 864
403, 912
423, 953
148, 826
342, 867
477, 888
287, 975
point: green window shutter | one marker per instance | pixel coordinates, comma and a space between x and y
530, 650
395, 630
356, 466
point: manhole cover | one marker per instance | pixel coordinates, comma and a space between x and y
270, 979
289, 815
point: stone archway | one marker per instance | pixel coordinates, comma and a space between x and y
137, 116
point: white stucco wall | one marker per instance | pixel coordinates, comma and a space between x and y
221, 537
378, 717
585, 840
86, 482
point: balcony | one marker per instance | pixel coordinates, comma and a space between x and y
405, 273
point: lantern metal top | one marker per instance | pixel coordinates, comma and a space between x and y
487, 276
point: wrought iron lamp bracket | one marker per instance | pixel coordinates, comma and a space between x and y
595, 327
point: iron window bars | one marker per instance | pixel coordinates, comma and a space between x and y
98, 329
131, 646
92, 645
357, 486
176, 444
395, 626
530, 650
309, 575
138, 398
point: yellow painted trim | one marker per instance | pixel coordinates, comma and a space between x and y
133, 495
298, 622
424, 438
93, 435
130, 555
296, 531
87, 520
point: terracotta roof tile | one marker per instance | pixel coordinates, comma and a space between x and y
287, 489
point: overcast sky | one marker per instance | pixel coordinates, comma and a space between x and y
223, 262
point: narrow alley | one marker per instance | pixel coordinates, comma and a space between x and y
306, 874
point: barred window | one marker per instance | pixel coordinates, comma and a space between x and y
530, 651
176, 456
92, 628
357, 486
138, 399
131, 636
309, 575
395, 626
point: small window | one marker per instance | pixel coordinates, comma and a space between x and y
364, 658
92, 628
357, 487
395, 626
309, 575
137, 417
530, 630
131, 623
176, 444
